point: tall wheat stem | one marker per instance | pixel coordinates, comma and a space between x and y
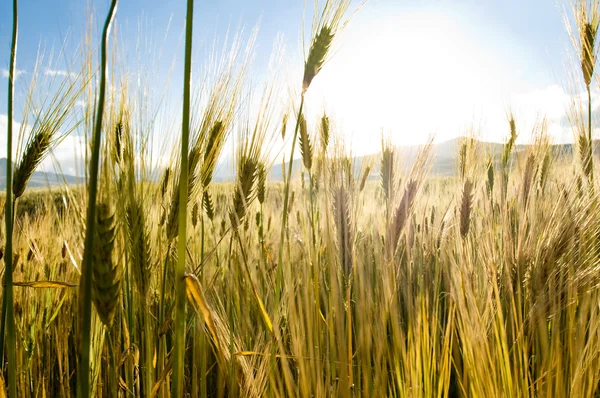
286, 196
315, 261
180, 297
8, 315
83, 375
161, 340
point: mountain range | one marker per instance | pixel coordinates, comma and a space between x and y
444, 163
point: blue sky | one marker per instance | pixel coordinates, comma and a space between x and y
408, 67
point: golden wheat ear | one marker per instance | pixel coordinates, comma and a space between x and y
261, 183
587, 20
466, 205
195, 215
403, 211
317, 55
165, 182
490, 176
244, 192
528, 178
305, 145
324, 132
106, 273
208, 206
343, 222
386, 170
139, 246
284, 126
366, 173
36, 150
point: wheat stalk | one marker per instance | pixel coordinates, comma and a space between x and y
7, 294
83, 375
587, 20
183, 197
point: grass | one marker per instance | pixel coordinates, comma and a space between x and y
348, 281
8, 320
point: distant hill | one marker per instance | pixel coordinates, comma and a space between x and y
444, 162
444, 159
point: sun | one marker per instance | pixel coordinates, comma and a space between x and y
413, 75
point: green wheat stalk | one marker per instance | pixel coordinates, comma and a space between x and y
83, 374
8, 271
180, 299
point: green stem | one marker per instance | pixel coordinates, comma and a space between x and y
114, 373
161, 341
83, 375
286, 197
5, 302
312, 210
149, 382
8, 256
3, 324
315, 260
180, 298
202, 244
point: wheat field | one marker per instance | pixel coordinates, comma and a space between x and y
345, 278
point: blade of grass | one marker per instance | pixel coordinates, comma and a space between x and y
180, 290
83, 375
286, 198
8, 316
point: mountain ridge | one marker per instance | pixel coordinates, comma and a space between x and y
443, 162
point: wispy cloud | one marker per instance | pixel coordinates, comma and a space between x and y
18, 72
59, 72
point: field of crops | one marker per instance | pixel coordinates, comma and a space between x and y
346, 278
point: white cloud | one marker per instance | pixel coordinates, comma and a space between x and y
59, 72
68, 154
5, 72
